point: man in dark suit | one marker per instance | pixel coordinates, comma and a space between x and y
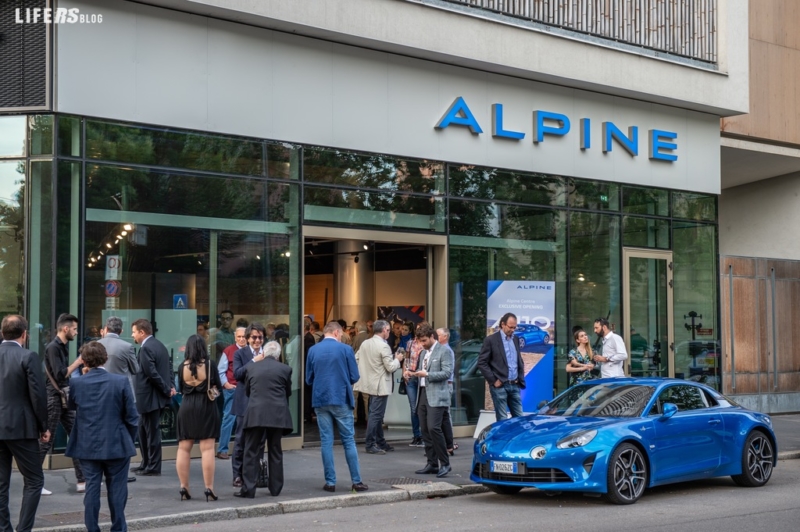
23, 409
256, 336
102, 437
153, 393
268, 386
500, 362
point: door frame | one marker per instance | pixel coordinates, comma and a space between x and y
627, 254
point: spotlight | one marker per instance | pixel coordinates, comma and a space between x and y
124, 233
108, 245
116, 241
127, 227
258, 257
356, 259
581, 277
366, 247
119, 237
169, 271
288, 254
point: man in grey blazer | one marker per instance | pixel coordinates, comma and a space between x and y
121, 355
24, 411
433, 400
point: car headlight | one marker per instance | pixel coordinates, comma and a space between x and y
483, 434
579, 439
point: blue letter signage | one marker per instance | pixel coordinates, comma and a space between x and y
661, 144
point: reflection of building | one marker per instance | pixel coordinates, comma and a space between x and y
235, 149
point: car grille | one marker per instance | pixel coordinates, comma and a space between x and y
535, 474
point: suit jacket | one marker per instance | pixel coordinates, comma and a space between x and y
493, 363
440, 366
154, 379
268, 387
121, 357
106, 419
332, 371
375, 366
23, 401
241, 359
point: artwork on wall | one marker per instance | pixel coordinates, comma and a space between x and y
413, 313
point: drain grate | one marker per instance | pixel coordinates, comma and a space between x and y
67, 518
399, 481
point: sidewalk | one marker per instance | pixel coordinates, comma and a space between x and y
154, 501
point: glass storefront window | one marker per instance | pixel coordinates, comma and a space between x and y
40, 256
501, 185
371, 208
689, 206
380, 172
171, 148
12, 136
698, 353
593, 195
640, 200
645, 232
69, 136
41, 135
12, 236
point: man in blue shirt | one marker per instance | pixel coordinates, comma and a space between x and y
331, 370
500, 362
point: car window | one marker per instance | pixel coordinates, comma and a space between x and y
684, 397
601, 400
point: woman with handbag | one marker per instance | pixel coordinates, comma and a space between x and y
198, 417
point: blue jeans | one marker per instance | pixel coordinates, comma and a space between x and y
228, 420
412, 389
506, 398
342, 416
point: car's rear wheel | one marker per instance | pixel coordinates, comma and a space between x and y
546, 339
627, 475
757, 459
504, 490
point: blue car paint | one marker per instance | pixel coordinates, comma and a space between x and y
667, 443
531, 334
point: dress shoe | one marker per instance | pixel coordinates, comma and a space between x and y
243, 494
136, 469
427, 470
131, 479
443, 471
144, 473
329, 487
388, 448
237, 482
223, 456
375, 450
359, 487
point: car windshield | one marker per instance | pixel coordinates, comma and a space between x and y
608, 399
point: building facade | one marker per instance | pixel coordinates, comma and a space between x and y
188, 158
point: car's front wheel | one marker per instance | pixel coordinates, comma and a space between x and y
757, 460
504, 490
521, 342
627, 475
546, 339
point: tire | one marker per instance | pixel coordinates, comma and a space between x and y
546, 339
758, 458
504, 490
627, 475
521, 342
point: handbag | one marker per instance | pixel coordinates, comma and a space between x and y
61, 392
263, 474
401, 389
212, 393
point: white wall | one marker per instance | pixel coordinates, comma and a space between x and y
760, 219
157, 66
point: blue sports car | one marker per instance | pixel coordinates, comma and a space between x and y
619, 436
531, 335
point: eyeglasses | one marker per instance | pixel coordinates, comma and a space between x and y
510, 327
227, 318
254, 337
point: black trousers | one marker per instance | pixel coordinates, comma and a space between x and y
29, 463
430, 424
254, 438
58, 414
150, 441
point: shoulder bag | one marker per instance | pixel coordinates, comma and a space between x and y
61, 392
212, 393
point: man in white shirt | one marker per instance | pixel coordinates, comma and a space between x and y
614, 352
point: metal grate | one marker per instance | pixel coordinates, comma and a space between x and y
537, 474
23, 57
399, 481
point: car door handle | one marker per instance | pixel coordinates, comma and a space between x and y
713, 421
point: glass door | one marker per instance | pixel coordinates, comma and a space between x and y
647, 292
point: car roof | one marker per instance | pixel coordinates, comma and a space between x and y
645, 381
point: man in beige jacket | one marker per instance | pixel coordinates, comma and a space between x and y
375, 366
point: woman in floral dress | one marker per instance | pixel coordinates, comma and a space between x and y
580, 362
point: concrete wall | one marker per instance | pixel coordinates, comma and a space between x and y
422, 31
156, 66
758, 219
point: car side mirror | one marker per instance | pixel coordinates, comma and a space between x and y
668, 410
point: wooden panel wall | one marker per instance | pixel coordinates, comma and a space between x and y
774, 73
753, 318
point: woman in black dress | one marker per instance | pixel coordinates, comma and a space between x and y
198, 417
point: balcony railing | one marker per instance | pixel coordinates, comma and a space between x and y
686, 28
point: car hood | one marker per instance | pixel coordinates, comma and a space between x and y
547, 427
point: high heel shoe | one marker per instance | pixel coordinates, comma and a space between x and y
185, 495
210, 494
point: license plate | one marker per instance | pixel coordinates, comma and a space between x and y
505, 467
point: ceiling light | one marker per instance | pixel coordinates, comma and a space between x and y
366, 247
200, 262
124, 233
169, 271
258, 257
127, 227
108, 245
581, 277
116, 241
287, 254
119, 237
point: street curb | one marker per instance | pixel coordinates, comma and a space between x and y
789, 455
400, 493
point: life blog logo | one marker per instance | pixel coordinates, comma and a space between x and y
60, 15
